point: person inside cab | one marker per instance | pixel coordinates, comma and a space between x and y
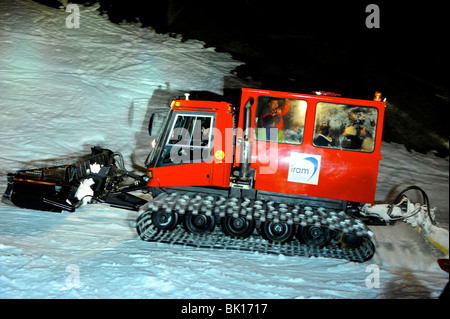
275, 107
323, 139
270, 131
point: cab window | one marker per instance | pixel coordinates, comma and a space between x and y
346, 127
189, 139
280, 120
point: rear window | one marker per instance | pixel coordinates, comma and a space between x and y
343, 126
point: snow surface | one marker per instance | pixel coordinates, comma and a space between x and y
64, 90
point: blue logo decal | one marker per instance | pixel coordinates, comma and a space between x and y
315, 163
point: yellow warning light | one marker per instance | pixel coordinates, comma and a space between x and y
174, 103
377, 96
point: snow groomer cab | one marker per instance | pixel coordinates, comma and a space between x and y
318, 146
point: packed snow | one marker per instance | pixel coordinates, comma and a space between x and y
64, 90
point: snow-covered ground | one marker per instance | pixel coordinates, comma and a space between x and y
64, 90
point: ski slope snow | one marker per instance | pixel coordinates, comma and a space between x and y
64, 90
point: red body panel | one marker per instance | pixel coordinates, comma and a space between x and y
338, 174
344, 174
215, 172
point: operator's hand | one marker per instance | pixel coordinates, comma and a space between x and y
285, 106
287, 103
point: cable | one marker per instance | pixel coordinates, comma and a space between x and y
121, 162
425, 199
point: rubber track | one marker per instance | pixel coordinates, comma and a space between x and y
262, 210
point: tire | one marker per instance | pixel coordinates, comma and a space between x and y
277, 232
199, 224
165, 220
238, 227
314, 235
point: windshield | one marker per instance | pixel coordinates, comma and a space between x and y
159, 122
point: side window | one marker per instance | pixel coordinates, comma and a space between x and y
189, 139
280, 120
347, 127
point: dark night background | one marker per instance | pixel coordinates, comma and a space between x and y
300, 46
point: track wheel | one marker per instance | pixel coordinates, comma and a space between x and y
314, 235
277, 232
362, 245
199, 224
237, 226
165, 220
352, 241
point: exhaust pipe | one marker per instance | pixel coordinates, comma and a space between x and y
246, 144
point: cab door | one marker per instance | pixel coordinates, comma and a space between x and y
186, 150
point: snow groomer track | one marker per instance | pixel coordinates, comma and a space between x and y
329, 233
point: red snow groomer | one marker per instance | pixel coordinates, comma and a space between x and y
282, 173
